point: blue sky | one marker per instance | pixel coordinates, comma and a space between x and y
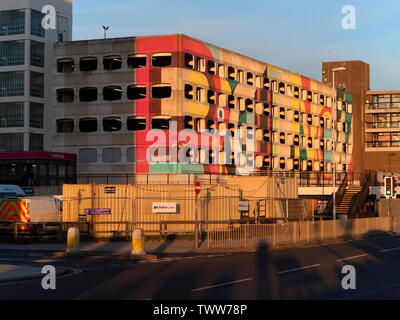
293, 34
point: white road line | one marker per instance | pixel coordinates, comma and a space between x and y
222, 284
353, 257
297, 269
391, 249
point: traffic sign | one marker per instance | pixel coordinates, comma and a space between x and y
197, 187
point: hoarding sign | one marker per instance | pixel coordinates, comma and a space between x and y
163, 207
96, 211
109, 189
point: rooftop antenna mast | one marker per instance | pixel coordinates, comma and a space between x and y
105, 28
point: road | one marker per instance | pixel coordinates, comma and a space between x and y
295, 273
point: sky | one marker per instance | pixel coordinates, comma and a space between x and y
292, 34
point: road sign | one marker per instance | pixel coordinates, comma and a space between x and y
197, 187
96, 211
243, 206
164, 207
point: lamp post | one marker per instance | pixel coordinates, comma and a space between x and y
105, 28
334, 116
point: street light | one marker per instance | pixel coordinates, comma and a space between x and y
105, 28
334, 135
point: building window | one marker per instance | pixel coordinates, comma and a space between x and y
112, 124
249, 105
11, 142
136, 123
231, 73
282, 139
296, 92
112, 93
282, 89
266, 83
282, 113
36, 23
267, 109
11, 114
136, 92
88, 94
188, 122
131, 154
111, 155
35, 142
37, 84
88, 125
11, 83
88, 64
136, 61
161, 59
282, 163
231, 101
189, 61
189, 91
88, 155
37, 54
211, 67
160, 122
12, 22
65, 95
250, 78
296, 164
12, 53
65, 125
296, 140
211, 97
112, 62
65, 65
36, 115
161, 91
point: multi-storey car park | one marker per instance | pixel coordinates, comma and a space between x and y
109, 93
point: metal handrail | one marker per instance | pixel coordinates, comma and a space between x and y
339, 196
361, 196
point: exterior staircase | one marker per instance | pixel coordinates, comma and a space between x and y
349, 197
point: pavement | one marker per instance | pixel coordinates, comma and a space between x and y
116, 248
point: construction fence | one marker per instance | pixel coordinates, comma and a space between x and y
250, 235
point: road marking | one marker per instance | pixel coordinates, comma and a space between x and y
391, 249
297, 269
222, 284
353, 257
373, 291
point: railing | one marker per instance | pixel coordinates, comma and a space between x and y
304, 178
339, 196
362, 196
294, 232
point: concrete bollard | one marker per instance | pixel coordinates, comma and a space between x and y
138, 242
73, 241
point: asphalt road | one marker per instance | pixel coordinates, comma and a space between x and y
296, 273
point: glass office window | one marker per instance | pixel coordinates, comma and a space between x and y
12, 22
11, 142
35, 142
36, 23
36, 115
11, 83
37, 54
37, 84
11, 114
12, 53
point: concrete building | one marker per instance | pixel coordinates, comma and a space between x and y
110, 93
26, 55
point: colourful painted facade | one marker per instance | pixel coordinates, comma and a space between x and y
207, 87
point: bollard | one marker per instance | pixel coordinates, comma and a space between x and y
138, 242
73, 241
